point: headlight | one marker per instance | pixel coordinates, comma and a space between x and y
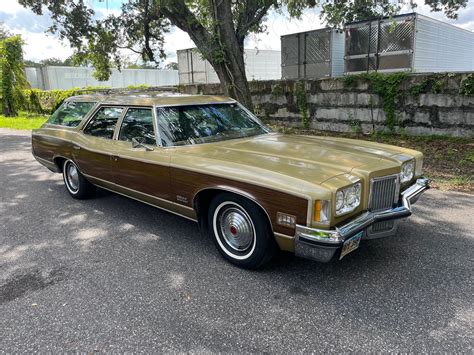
419, 167
339, 200
348, 199
408, 170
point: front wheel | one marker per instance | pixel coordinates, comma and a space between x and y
76, 184
241, 231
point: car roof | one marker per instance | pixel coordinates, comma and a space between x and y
151, 99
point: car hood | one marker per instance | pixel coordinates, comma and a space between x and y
309, 158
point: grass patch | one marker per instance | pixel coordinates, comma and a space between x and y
449, 161
25, 121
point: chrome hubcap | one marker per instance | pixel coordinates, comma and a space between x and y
72, 176
236, 228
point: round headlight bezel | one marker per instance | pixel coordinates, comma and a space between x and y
351, 196
339, 200
407, 171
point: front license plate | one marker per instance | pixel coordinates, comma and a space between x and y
351, 244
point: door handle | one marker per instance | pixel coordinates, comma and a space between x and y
76, 147
115, 157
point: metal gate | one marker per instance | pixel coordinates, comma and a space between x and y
380, 45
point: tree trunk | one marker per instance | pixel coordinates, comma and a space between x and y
231, 71
223, 38
234, 80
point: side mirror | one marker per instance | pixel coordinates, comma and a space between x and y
139, 142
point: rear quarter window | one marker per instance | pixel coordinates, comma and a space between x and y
70, 113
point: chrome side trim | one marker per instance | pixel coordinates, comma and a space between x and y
284, 235
158, 199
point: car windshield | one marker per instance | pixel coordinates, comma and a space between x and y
196, 124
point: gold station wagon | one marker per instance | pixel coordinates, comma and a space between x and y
209, 159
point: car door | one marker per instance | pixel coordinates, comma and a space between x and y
94, 146
141, 169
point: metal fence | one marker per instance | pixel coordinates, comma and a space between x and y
259, 65
410, 42
312, 54
382, 44
52, 77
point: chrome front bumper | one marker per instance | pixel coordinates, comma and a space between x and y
321, 245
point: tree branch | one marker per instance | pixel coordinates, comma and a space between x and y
251, 17
180, 16
130, 49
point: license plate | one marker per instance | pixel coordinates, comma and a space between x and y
351, 244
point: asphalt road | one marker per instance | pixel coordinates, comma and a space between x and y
112, 274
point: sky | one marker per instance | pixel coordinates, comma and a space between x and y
41, 45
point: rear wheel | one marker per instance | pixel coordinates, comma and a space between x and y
76, 184
241, 231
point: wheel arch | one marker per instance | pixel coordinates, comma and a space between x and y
59, 162
203, 198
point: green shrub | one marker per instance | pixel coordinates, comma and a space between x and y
138, 87
350, 81
467, 85
387, 87
302, 103
436, 83
277, 90
47, 101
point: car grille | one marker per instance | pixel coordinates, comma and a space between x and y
382, 226
383, 192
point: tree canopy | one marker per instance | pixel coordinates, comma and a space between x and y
51, 62
337, 13
12, 74
217, 27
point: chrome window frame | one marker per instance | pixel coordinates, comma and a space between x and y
120, 122
98, 108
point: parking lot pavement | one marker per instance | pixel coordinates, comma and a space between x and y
111, 274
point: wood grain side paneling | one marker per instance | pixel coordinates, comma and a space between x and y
187, 184
145, 177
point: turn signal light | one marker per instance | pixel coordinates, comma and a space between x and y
321, 211
317, 210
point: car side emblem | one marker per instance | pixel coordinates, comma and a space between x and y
181, 199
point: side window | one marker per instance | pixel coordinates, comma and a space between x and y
103, 123
70, 113
138, 123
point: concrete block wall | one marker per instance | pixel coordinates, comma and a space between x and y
334, 107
